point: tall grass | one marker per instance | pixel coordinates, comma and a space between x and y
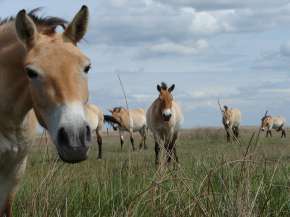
213, 179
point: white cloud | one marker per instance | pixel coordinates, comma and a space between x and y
224, 4
209, 23
171, 48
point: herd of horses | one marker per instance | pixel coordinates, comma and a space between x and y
44, 79
231, 119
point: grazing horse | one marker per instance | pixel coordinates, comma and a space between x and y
164, 118
95, 118
44, 70
231, 119
277, 123
132, 120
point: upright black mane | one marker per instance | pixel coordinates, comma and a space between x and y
117, 109
266, 116
164, 86
38, 20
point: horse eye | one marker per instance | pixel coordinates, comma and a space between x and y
87, 69
32, 74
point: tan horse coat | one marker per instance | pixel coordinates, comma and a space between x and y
231, 120
32, 55
95, 118
165, 132
132, 120
277, 123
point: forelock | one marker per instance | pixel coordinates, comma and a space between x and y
163, 86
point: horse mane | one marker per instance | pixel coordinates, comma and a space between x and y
266, 116
163, 86
117, 109
48, 22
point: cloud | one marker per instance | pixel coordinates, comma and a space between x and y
203, 5
174, 49
285, 49
228, 49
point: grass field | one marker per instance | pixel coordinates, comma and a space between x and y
214, 179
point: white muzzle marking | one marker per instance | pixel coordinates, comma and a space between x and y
166, 112
70, 115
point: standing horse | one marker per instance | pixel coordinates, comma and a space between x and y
95, 118
132, 120
164, 118
231, 119
46, 71
277, 123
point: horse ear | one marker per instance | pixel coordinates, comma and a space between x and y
170, 89
78, 27
110, 110
25, 29
226, 108
158, 87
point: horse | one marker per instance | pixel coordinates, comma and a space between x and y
231, 119
130, 120
95, 118
43, 70
277, 123
164, 118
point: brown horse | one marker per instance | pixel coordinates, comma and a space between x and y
164, 118
46, 71
95, 118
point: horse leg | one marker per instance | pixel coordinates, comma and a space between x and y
143, 135
121, 139
283, 133
7, 210
270, 132
132, 141
100, 142
267, 133
237, 132
142, 138
171, 148
228, 136
157, 153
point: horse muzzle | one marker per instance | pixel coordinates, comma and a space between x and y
72, 144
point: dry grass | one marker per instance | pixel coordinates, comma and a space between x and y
214, 179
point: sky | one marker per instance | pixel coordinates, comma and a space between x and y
234, 50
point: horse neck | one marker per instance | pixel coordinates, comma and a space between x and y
15, 100
157, 109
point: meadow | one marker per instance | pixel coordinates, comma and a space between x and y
214, 178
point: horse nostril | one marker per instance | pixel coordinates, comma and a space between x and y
63, 137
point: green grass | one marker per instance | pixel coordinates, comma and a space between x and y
214, 178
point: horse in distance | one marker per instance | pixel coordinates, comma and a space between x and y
277, 123
231, 119
129, 120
